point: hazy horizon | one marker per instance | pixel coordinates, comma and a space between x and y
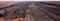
29, 0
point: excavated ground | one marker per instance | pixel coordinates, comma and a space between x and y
31, 11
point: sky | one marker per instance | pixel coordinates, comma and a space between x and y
29, 0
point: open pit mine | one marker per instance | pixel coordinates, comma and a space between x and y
30, 11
